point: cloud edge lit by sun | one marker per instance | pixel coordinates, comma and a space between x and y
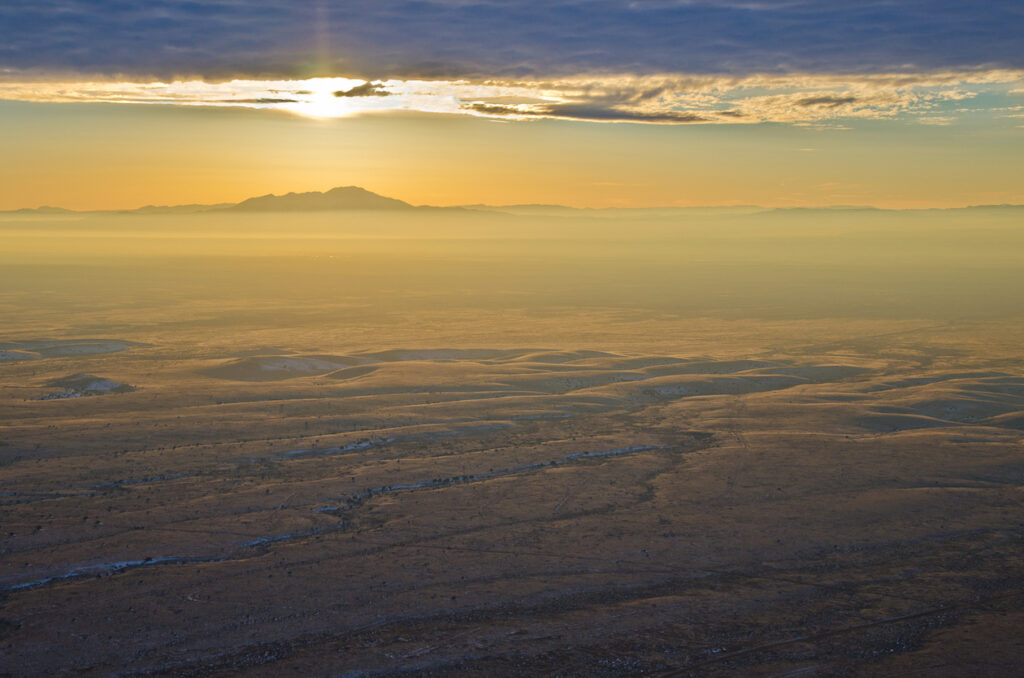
934, 98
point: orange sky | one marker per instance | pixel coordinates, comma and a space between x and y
101, 156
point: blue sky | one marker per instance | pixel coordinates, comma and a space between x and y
485, 38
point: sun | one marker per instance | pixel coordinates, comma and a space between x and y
317, 99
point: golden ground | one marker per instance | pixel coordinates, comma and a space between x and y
477, 464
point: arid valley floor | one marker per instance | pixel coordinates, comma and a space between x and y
686, 452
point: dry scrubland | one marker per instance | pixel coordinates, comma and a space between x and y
670, 443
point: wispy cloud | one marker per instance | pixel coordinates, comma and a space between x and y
658, 99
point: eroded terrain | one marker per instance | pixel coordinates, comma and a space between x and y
409, 481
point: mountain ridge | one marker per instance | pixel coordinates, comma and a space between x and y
356, 198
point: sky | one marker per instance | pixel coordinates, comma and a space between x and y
893, 103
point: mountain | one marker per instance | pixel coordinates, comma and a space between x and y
341, 198
177, 209
45, 209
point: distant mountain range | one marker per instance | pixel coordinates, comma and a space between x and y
355, 198
336, 199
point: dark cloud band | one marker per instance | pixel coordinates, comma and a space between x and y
484, 38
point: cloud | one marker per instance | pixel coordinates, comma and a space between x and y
265, 101
582, 112
497, 110
801, 99
474, 39
826, 101
367, 89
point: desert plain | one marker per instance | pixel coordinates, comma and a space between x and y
526, 441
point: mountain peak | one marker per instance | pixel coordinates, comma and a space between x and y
339, 198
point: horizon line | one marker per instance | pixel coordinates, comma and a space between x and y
481, 206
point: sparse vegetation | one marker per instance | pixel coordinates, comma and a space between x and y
581, 476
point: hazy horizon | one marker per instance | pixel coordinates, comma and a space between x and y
225, 203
